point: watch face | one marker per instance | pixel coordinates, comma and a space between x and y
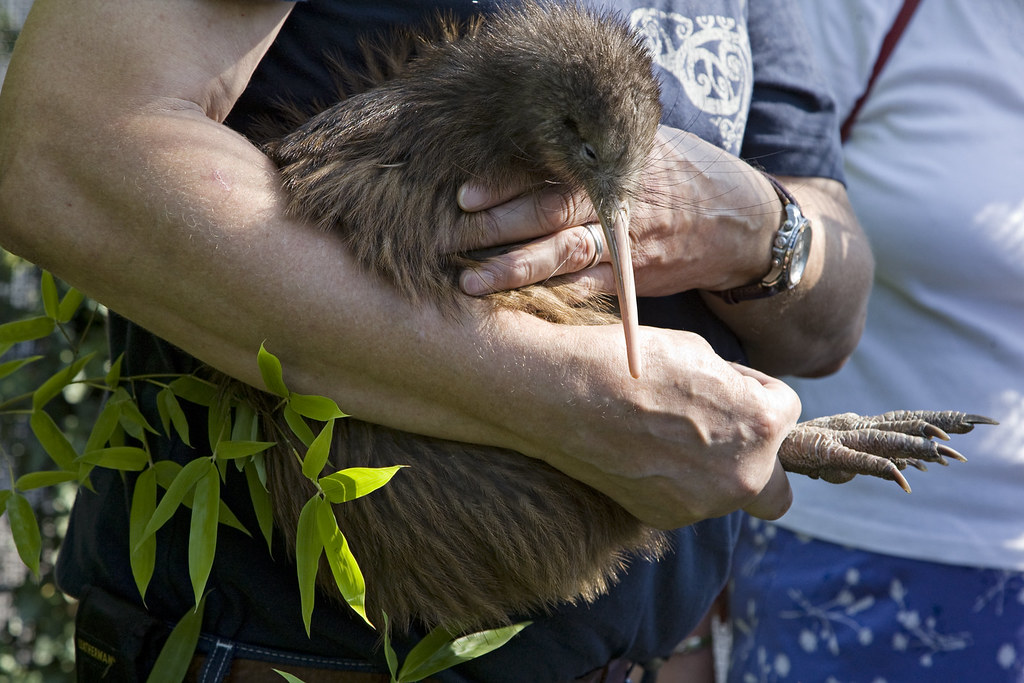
801, 250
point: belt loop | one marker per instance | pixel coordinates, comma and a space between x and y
218, 662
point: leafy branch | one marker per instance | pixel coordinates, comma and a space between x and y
119, 440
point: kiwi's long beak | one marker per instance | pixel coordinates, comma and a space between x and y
614, 219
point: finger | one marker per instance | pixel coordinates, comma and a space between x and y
782, 398
473, 197
748, 371
563, 252
775, 498
530, 216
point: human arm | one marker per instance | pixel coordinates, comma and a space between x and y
117, 174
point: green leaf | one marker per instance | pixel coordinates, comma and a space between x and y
355, 482
344, 567
176, 654
183, 482
26, 330
143, 553
132, 419
104, 427
298, 426
246, 423
230, 450
259, 462
424, 651
113, 377
195, 390
5, 495
261, 504
166, 471
389, 652
291, 678
172, 414
202, 538
53, 441
25, 529
35, 480
128, 458
12, 366
439, 651
162, 409
48, 290
218, 422
69, 305
270, 370
319, 408
58, 381
117, 436
308, 548
228, 518
222, 468
318, 453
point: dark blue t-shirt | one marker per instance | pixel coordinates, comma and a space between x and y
734, 72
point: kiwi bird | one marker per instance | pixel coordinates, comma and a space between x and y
529, 96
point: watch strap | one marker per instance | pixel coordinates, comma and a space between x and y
748, 292
758, 290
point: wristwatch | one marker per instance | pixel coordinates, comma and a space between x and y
790, 249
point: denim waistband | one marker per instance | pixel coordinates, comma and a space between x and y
220, 652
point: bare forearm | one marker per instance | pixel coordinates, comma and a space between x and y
185, 235
149, 204
719, 236
812, 329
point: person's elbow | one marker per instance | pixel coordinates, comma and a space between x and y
13, 189
817, 355
820, 344
21, 189
834, 351
830, 345
44, 135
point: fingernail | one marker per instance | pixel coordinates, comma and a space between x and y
476, 282
472, 197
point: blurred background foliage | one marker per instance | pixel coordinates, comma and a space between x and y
36, 620
12, 16
36, 624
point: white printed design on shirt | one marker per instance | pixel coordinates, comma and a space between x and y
710, 57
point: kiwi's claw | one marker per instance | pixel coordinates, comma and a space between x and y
839, 447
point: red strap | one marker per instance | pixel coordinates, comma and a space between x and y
891, 38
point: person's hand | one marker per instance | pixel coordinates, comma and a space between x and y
697, 437
705, 220
772, 501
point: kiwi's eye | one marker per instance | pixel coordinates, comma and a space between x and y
587, 150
